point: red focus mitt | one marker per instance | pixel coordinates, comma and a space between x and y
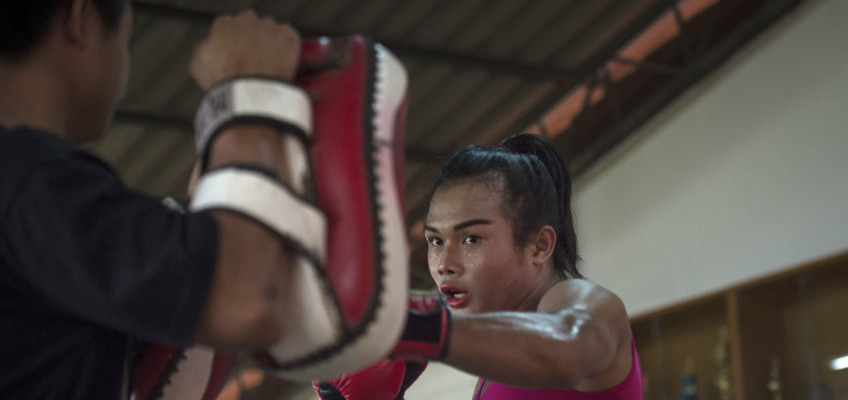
345, 220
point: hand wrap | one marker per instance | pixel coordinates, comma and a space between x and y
427, 329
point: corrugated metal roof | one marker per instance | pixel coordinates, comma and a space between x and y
480, 70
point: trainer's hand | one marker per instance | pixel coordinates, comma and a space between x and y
245, 45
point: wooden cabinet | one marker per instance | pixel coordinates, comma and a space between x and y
774, 336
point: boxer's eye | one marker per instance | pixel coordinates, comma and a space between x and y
434, 241
470, 239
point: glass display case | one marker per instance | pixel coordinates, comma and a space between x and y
778, 337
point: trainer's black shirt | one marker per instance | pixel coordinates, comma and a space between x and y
86, 267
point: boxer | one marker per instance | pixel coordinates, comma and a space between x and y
513, 307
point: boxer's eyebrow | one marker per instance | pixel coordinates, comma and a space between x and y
472, 222
462, 225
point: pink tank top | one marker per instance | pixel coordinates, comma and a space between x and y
629, 389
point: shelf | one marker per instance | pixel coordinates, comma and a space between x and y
670, 341
793, 323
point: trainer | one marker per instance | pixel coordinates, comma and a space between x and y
89, 270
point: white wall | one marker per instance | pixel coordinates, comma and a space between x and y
745, 176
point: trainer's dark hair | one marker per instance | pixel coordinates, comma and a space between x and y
537, 185
24, 23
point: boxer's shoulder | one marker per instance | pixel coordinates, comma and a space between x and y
565, 294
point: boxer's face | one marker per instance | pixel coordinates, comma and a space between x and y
103, 79
471, 252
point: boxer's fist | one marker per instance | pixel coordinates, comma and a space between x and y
245, 45
384, 380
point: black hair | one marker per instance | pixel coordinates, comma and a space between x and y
537, 189
24, 23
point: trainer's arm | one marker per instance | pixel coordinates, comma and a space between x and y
578, 339
245, 301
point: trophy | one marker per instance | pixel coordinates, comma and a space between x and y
690, 385
774, 386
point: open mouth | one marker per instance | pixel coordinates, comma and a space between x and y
454, 296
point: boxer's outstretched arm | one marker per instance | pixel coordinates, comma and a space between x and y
580, 338
244, 305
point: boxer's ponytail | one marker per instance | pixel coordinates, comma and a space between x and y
537, 190
539, 147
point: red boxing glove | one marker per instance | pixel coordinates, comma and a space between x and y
384, 380
427, 328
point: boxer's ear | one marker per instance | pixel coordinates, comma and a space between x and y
543, 244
